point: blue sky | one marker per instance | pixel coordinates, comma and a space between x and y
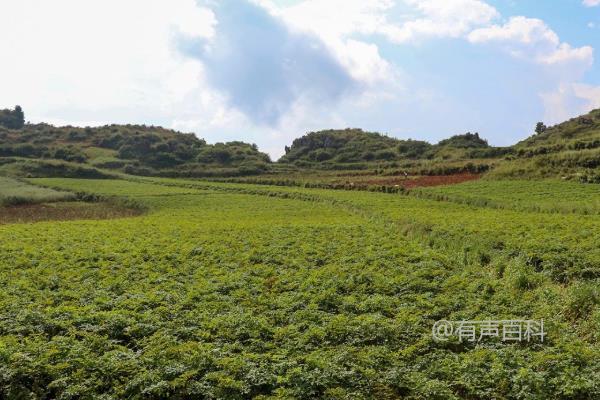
267, 71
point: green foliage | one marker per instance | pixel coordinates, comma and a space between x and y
14, 192
349, 145
232, 153
466, 141
136, 149
26, 168
583, 299
237, 291
356, 149
569, 149
413, 148
152, 150
576, 129
521, 195
540, 127
12, 119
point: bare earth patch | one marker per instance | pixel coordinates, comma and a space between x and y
438, 180
422, 181
62, 211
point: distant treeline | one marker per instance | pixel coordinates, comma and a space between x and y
573, 146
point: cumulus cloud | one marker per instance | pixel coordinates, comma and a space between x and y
589, 93
476, 21
532, 38
568, 100
360, 58
263, 67
308, 56
97, 61
427, 18
351, 16
591, 3
441, 18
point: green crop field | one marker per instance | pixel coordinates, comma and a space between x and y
239, 291
300, 200
543, 195
13, 192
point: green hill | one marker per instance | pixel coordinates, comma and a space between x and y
575, 134
342, 146
333, 148
569, 149
135, 149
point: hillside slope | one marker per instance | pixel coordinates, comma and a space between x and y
136, 149
356, 145
570, 150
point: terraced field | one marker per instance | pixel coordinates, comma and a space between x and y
235, 291
14, 192
542, 195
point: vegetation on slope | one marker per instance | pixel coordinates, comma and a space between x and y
345, 146
12, 119
14, 192
546, 195
332, 296
575, 134
569, 149
21, 201
137, 149
357, 149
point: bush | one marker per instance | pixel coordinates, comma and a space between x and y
12, 119
583, 298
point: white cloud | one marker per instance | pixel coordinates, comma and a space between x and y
441, 18
427, 18
316, 15
565, 53
591, 3
531, 38
80, 60
380, 79
263, 67
589, 93
361, 59
569, 100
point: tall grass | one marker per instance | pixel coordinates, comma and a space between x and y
14, 192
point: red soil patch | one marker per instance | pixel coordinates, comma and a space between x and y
438, 180
423, 181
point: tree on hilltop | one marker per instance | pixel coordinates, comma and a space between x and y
12, 119
540, 127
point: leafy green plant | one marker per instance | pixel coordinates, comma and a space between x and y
236, 291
